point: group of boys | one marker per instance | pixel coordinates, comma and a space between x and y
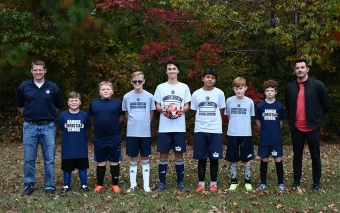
171, 100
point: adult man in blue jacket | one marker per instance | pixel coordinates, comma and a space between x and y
306, 102
39, 101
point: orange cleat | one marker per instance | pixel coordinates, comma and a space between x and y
115, 189
213, 188
200, 188
98, 188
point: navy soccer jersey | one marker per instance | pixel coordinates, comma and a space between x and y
74, 138
39, 103
270, 116
106, 113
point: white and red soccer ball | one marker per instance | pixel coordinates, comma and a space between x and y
172, 111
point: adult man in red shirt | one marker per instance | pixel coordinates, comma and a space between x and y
306, 102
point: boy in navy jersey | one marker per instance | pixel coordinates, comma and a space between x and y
139, 107
209, 104
106, 113
269, 119
73, 124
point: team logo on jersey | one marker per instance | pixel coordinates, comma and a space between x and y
215, 155
207, 98
270, 114
178, 148
172, 92
238, 105
138, 99
47, 91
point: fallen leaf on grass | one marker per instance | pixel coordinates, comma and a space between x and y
155, 196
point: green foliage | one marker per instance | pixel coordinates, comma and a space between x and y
84, 42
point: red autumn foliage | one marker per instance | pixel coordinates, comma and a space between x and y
113, 4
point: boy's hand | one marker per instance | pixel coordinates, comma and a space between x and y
180, 112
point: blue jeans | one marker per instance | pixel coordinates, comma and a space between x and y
32, 136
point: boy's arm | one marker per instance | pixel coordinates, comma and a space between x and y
186, 107
258, 124
159, 107
126, 115
152, 112
281, 124
222, 111
60, 132
121, 118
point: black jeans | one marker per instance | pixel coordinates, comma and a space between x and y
298, 141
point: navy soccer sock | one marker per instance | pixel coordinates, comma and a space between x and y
179, 171
83, 177
162, 170
67, 179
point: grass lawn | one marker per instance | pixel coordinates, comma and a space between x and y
269, 200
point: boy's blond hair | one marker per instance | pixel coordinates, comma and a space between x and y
239, 82
106, 83
137, 73
73, 95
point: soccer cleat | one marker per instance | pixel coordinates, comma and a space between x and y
49, 190
98, 188
115, 189
261, 187
233, 186
316, 188
296, 186
200, 188
181, 186
131, 189
282, 187
213, 188
160, 188
66, 188
248, 187
147, 189
28, 190
84, 188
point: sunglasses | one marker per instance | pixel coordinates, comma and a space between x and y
135, 82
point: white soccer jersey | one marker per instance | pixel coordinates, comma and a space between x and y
179, 95
239, 112
207, 105
139, 106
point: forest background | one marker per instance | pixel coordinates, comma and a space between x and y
84, 42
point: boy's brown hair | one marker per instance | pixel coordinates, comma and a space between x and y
107, 83
73, 95
137, 73
270, 83
239, 82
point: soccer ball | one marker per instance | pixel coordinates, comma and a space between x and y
172, 111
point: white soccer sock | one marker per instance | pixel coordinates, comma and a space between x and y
146, 174
213, 183
201, 183
133, 174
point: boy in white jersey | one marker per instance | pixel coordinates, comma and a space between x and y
209, 104
239, 110
139, 107
172, 132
